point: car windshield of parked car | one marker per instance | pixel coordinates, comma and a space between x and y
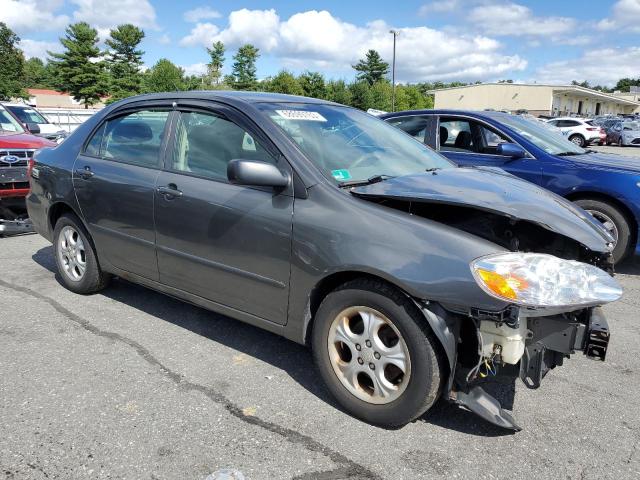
349, 145
631, 126
544, 138
8, 124
28, 115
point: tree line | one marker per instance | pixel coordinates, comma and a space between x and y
91, 74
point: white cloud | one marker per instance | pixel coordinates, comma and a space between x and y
625, 16
201, 13
39, 49
318, 40
164, 39
194, 69
444, 6
31, 15
202, 34
603, 66
107, 14
512, 19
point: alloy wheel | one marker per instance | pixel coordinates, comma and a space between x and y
72, 254
369, 355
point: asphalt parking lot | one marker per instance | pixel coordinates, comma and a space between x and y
627, 151
133, 384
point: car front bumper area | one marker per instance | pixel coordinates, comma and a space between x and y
549, 340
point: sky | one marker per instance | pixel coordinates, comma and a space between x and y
544, 41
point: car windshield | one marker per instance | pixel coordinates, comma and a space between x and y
27, 115
631, 125
8, 124
544, 138
349, 145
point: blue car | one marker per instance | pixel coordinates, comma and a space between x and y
607, 186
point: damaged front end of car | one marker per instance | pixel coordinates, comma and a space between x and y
551, 276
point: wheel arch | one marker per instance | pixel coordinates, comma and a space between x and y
60, 208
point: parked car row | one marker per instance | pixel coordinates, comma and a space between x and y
34, 122
412, 272
580, 131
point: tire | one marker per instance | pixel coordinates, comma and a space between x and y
411, 397
74, 250
620, 142
603, 210
577, 139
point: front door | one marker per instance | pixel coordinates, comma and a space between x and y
115, 179
473, 143
227, 243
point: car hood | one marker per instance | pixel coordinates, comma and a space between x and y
606, 161
496, 191
24, 140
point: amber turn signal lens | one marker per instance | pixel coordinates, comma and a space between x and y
506, 286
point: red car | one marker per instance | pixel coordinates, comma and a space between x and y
16, 151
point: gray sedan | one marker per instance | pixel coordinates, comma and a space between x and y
411, 279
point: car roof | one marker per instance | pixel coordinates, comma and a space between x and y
231, 96
12, 104
482, 114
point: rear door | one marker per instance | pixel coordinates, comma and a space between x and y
227, 243
471, 142
115, 180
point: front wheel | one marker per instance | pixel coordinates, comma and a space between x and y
614, 221
620, 142
376, 354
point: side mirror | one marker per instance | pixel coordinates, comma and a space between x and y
33, 128
256, 174
510, 150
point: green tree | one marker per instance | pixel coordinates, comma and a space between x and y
381, 93
415, 98
12, 74
371, 68
164, 76
216, 61
80, 70
35, 73
337, 91
243, 74
360, 95
284, 82
625, 84
124, 60
312, 84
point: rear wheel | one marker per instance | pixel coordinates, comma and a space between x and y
614, 221
76, 258
376, 354
620, 142
578, 140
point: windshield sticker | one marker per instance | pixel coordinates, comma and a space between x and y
341, 175
248, 144
301, 115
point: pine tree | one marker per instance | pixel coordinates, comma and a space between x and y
34, 73
284, 82
372, 68
12, 73
214, 67
243, 75
337, 91
80, 70
360, 95
124, 60
164, 76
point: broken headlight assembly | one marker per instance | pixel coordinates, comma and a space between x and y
542, 280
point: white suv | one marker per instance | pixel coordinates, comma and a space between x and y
580, 131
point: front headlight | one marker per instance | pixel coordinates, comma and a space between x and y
541, 280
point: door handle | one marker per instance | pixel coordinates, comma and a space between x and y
170, 191
84, 173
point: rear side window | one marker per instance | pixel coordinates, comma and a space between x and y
134, 138
205, 144
455, 135
414, 126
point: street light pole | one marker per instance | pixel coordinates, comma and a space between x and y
395, 33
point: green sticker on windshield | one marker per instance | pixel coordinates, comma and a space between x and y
341, 175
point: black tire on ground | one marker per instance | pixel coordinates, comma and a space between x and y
622, 247
577, 139
427, 364
620, 142
94, 279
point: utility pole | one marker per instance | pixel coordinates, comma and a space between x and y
395, 33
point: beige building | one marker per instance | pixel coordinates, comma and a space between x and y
633, 95
43, 98
537, 99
